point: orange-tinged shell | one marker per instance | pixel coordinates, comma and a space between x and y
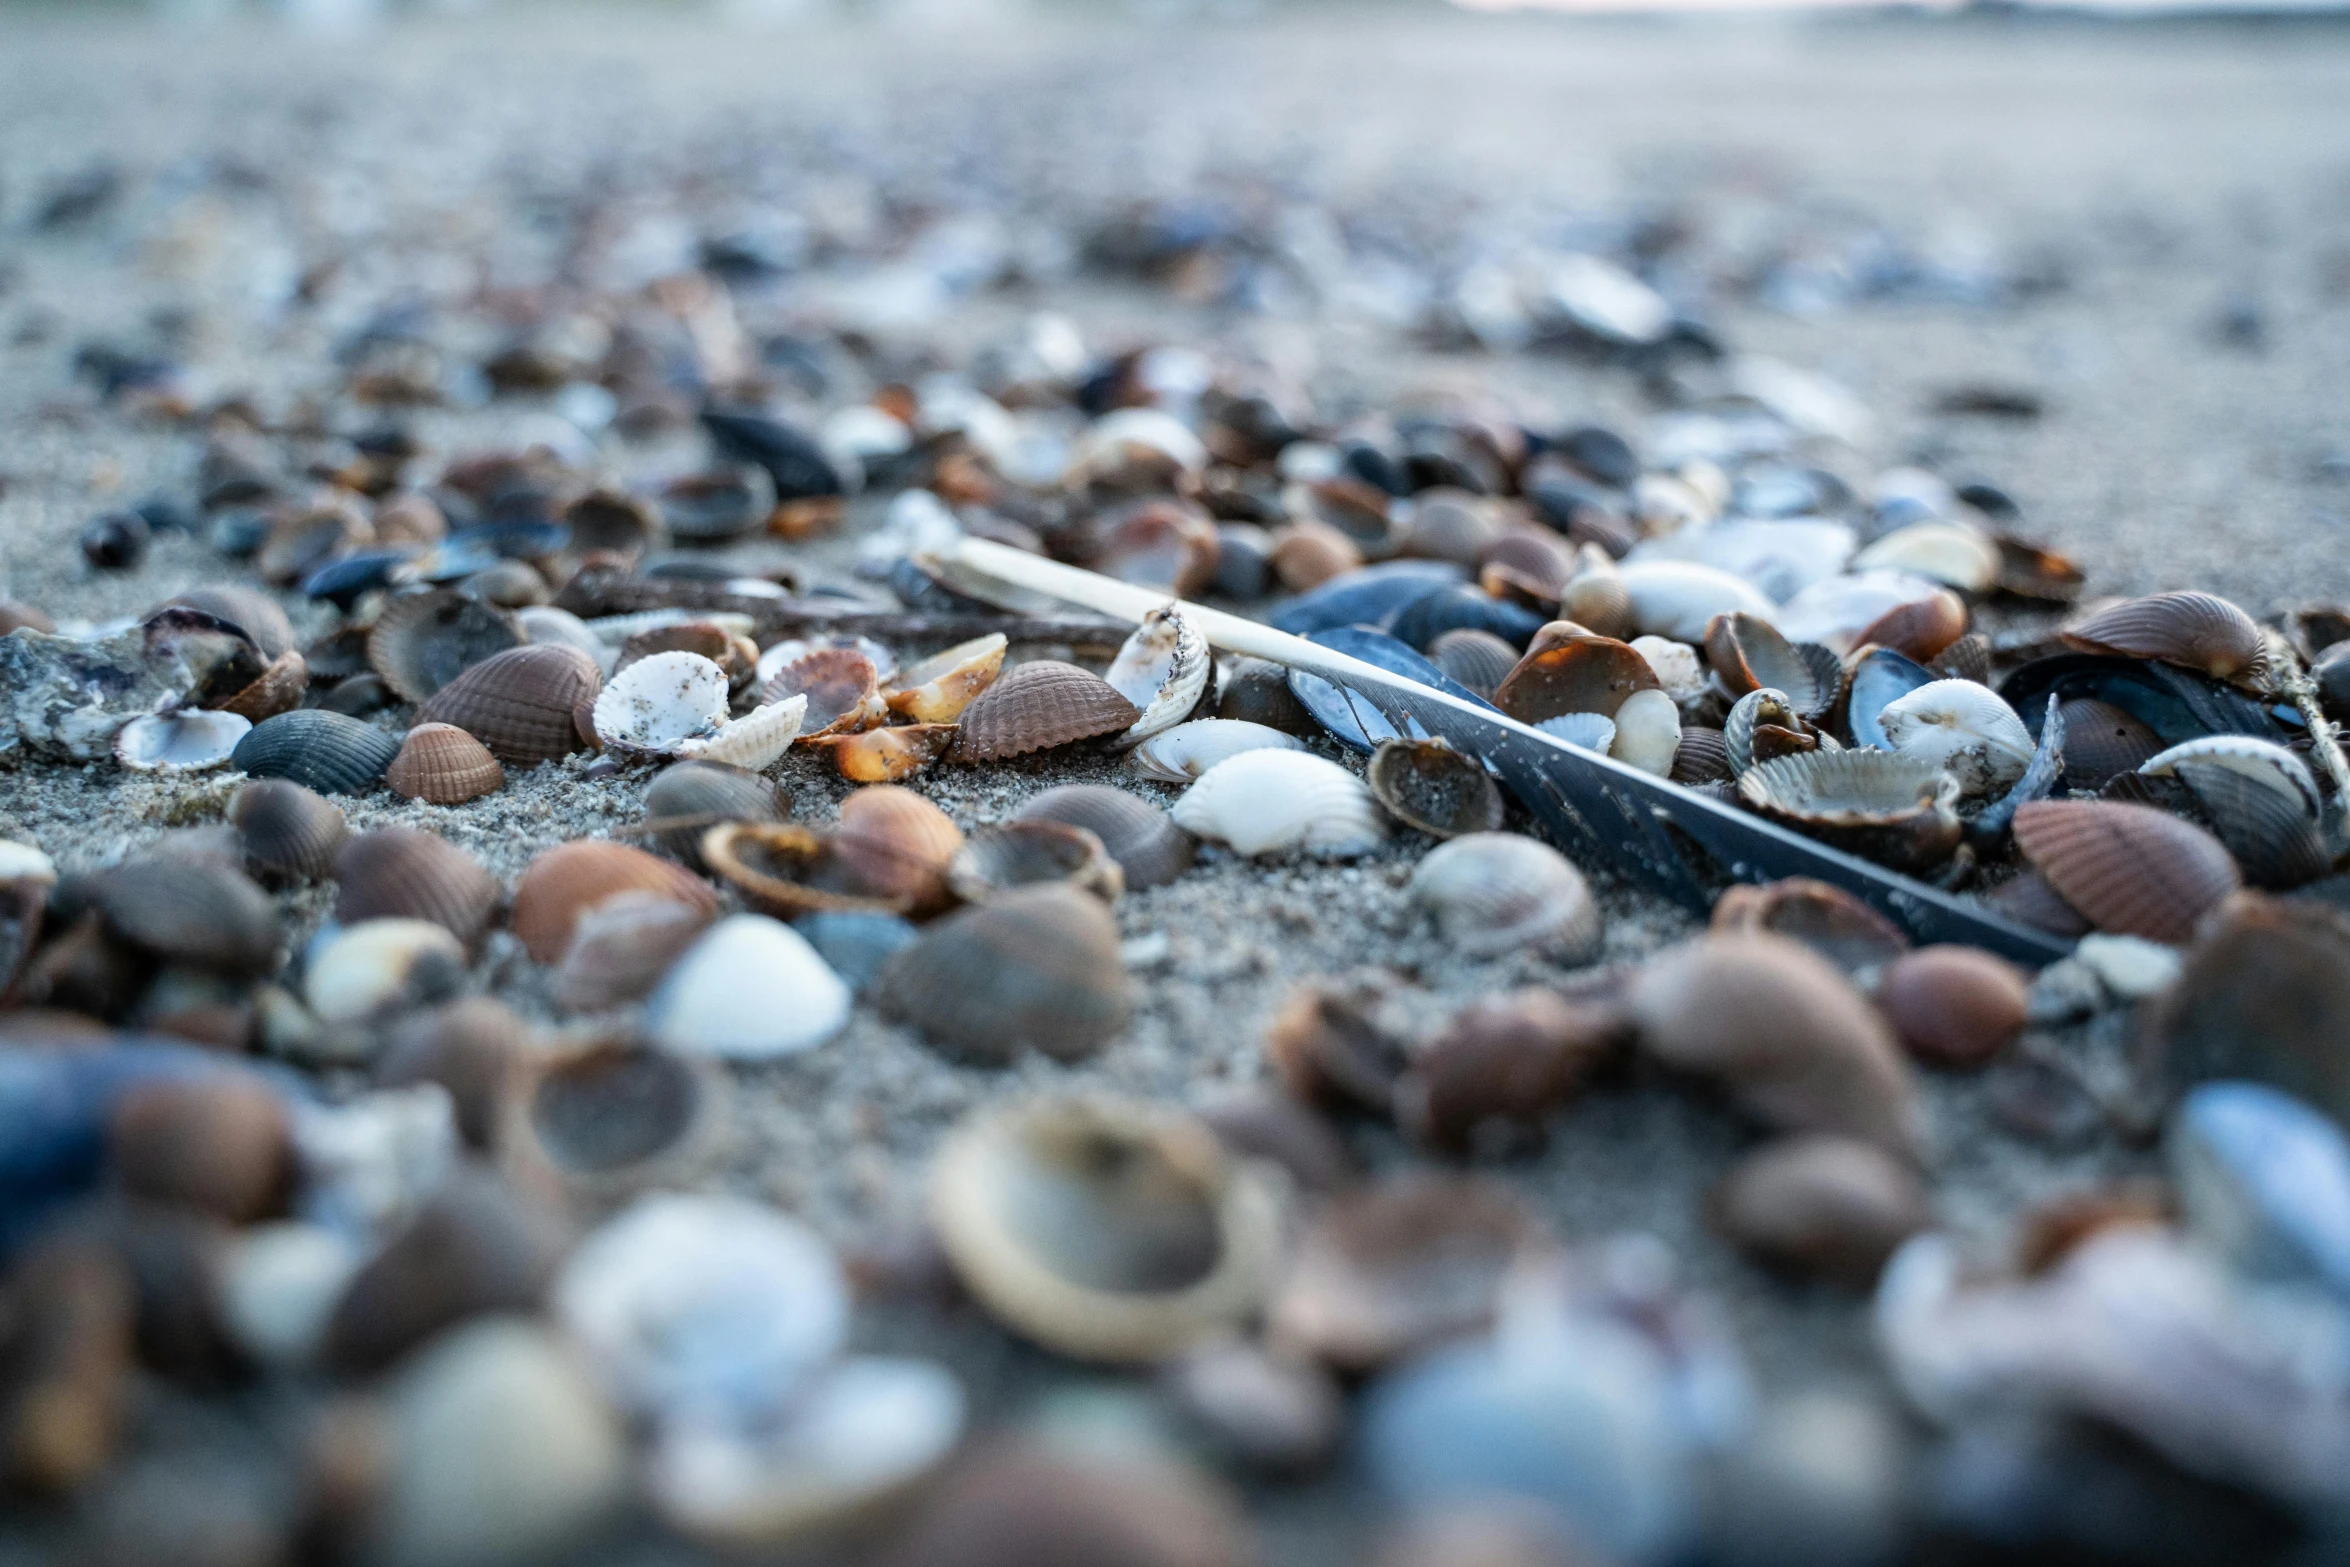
400, 873
443, 765
886, 755
1827, 919
1037, 707
522, 703
842, 687
2197, 631
1954, 1006
2129, 869
1307, 554
898, 844
1747, 653
563, 883
277, 690
935, 690
792, 870
1921, 628
1586, 674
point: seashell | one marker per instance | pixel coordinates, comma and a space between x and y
841, 687
377, 968
316, 749
1464, 607
1165, 670
1429, 785
1829, 920
400, 873
1501, 1068
562, 884
188, 741
443, 765
2101, 742
935, 690
794, 870
218, 1145
886, 755
1880, 677
1373, 595
722, 503
524, 704
1271, 801
1267, 1413
1040, 706
422, 641
286, 830
1150, 849
1450, 524
250, 610
1921, 628
1955, 554
1954, 1006
1477, 659
1776, 556
732, 652
1679, 599
792, 649
656, 704
2029, 900
1257, 692
2265, 1181
1341, 1044
1244, 567
612, 520
1784, 1031
1165, 547
622, 946
752, 741
1884, 806
2128, 869
1181, 754
1962, 728
474, 1049
1397, 1267
1648, 733
1702, 757
1837, 611
2273, 834
1308, 554
2195, 631
1676, 668
2260, 998
1019, 1502
1822, 1206
1762, 726
1039, 967
893, 843
1496, 893
1587, 730
1747, 654
690, 798
1262, 1124
1597, 598
1583, 674
1104, 1229
750, 989
2331, 676
361, 696
277, 689
1527, 565
200, 912
997, 859
2267, 764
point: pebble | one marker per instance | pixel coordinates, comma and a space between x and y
2130, 967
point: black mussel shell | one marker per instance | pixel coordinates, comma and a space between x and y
1464, 608
2176, 704
1369, 597
318, 750
792, 458
1350, 717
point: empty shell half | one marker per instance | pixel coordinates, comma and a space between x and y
1164, 669
1882, 805
1274, 801
1429, 785
184, 742
935, 690
1183, 753
997, 859
1493, 893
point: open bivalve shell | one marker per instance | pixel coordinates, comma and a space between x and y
1105, 1230
2195, 631
1884, 806
1429, 785
690, 798
751, 989
1181, 754
525, 704
1040, 706
1038, 967
287, 830
1165, 670
277, 689
1964, 729
842, 688
1274, 801
935, 690
1493, 893
996, 860
564, 883
378, 968
1763, 726
1149, 848
1748, 654
2130, 870
675, 704
422, 641
190, 741
612, 1115
795, 870
443, 765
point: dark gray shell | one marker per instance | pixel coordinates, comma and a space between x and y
1878, 680
318, 750
1464, 608
401, 873
250, 610
1140, 836
1036, 968
287, 830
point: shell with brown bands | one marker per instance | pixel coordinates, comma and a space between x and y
525, 704
1037, 707
401, 873
277, 689
441, 764
689, 798
1140, 836
287, 830
563, 883
1747, 653
2102, 742
2197, 631
316, 749
2129, 869
1036, 968
1581, 674
842, 687
1702, 758
422, 641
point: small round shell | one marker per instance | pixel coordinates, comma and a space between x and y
1272, 801
286, 829
936, 689
1963, 728
1040, 706
1038, 968
894, 843
422, 641
1183, 753
317, 749
1165, 669
1648, 732
443, 765
563, 883
1429, 785
1493, 893
690, 798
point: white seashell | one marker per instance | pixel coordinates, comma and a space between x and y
751, 989
1952, 553
370, 1164
1591, 731
792, 649
754, 740
1163, 669
1103, 445
2263, 761
1912, 492
544, 625
1780, 556
361, 967
1648, 732
1677, 598
1675, 665
1966, 729
1269, 801
658, 703
278, 1287
1664, 504
1183, 753
183, 742
707, 1309
1810, 404
617, 629
1605, 300
1835, 612
1497, 892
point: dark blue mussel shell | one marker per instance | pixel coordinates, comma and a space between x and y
1373, 596
341, 582
317, 749
792, 458
1881, 677
1463, 607
1354, 721
2177, 705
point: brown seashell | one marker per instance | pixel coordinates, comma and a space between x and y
2028, 899
620, 949
1308, 553
1921, 628
1969, 658
1038, 707
612, 1116
219, 1144
995, 860
791, 870
1162, 546
422, 641
1530, 566
1829, 920
2262, 996
842, 687
1832, 1207
2197, 631
196, 911
1398, 1267
886, 755
1501, 1068
1703, 756
1477, 659
691, 797
522, 703
898, 844
1150, 849
1746, 654
510, 584
2129, 869
401, 873
562, 883
278, 689
287, 830
1337, 1044
1587, 674
1257, 691
1784, 1031
1429, 785
2102, 742
2033, 571
1018, 1504
1954, 1006
935, 690
1038, 968
443, 765
612, 520
1259, 1123
475, 1048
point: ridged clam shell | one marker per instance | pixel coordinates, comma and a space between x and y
2277, 842
277, 689
659, 702
935, 690
896, 844
2102, 741
422, 641
1963, 728
1183, 753
1272, 801
1827, 919
2197, 631
792, 649
622, 946
318, 750
1103, 1229
1530, 565
1164, 669
563, 883
754, 740
200, 912
793, 870
1037, 707
1702, 757
1307, 554
287, 830
2264, 762
1747, 654
1140, 836
1494, 893
2129, 869
443, 765
690, 798
400, 873
525, 704
1477, 659
751, 989
1834, 1207
1036, 968
1451, 524
1762, 726
1878, 804
1598, 599
997, 859
1648, 732
1429, 785
886, 755
842, 687
1679, 599
1955, 554
1969, 658
188, 741
1579, 675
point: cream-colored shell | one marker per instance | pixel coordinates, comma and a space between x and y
751, 989
1835, 612
1675, 665
1498, 892
754, 740
369, 963
1590, 731
1163, 669
1273, 801
1678, 598
1955, 554
658, 703
1648, 732
1183, 753
1964, 728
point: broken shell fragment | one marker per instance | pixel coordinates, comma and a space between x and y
422, 641
1497, 893
1882, 805
2129, 869
886, 755
750, 989
190, 741
1954, 1006
401, 873
443, 765
1429, 785
275, 690
936, 689
1181, 754
1149, 848
1036, 968
525, 704
1962, 728
1271, 801
1584, 674
795, 870
1835, 1207
1165, 670
1040, 706
563, 884
2197, 631
318, 750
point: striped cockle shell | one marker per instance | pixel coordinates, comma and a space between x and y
1183, 753
2197, 631
1272, 801
841, 684
2263, 761
1963, 728
526, 704
2131, 870
1492, 893
1164, 669
422, 641
1040, 706
752, 741
443, 765
1138, 834
401, 873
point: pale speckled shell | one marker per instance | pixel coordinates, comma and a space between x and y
1164, 669
1183, 753
659, 702
1963, 728
1648, 732
1955, 554
1271, 801
1498, 892
184, 742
